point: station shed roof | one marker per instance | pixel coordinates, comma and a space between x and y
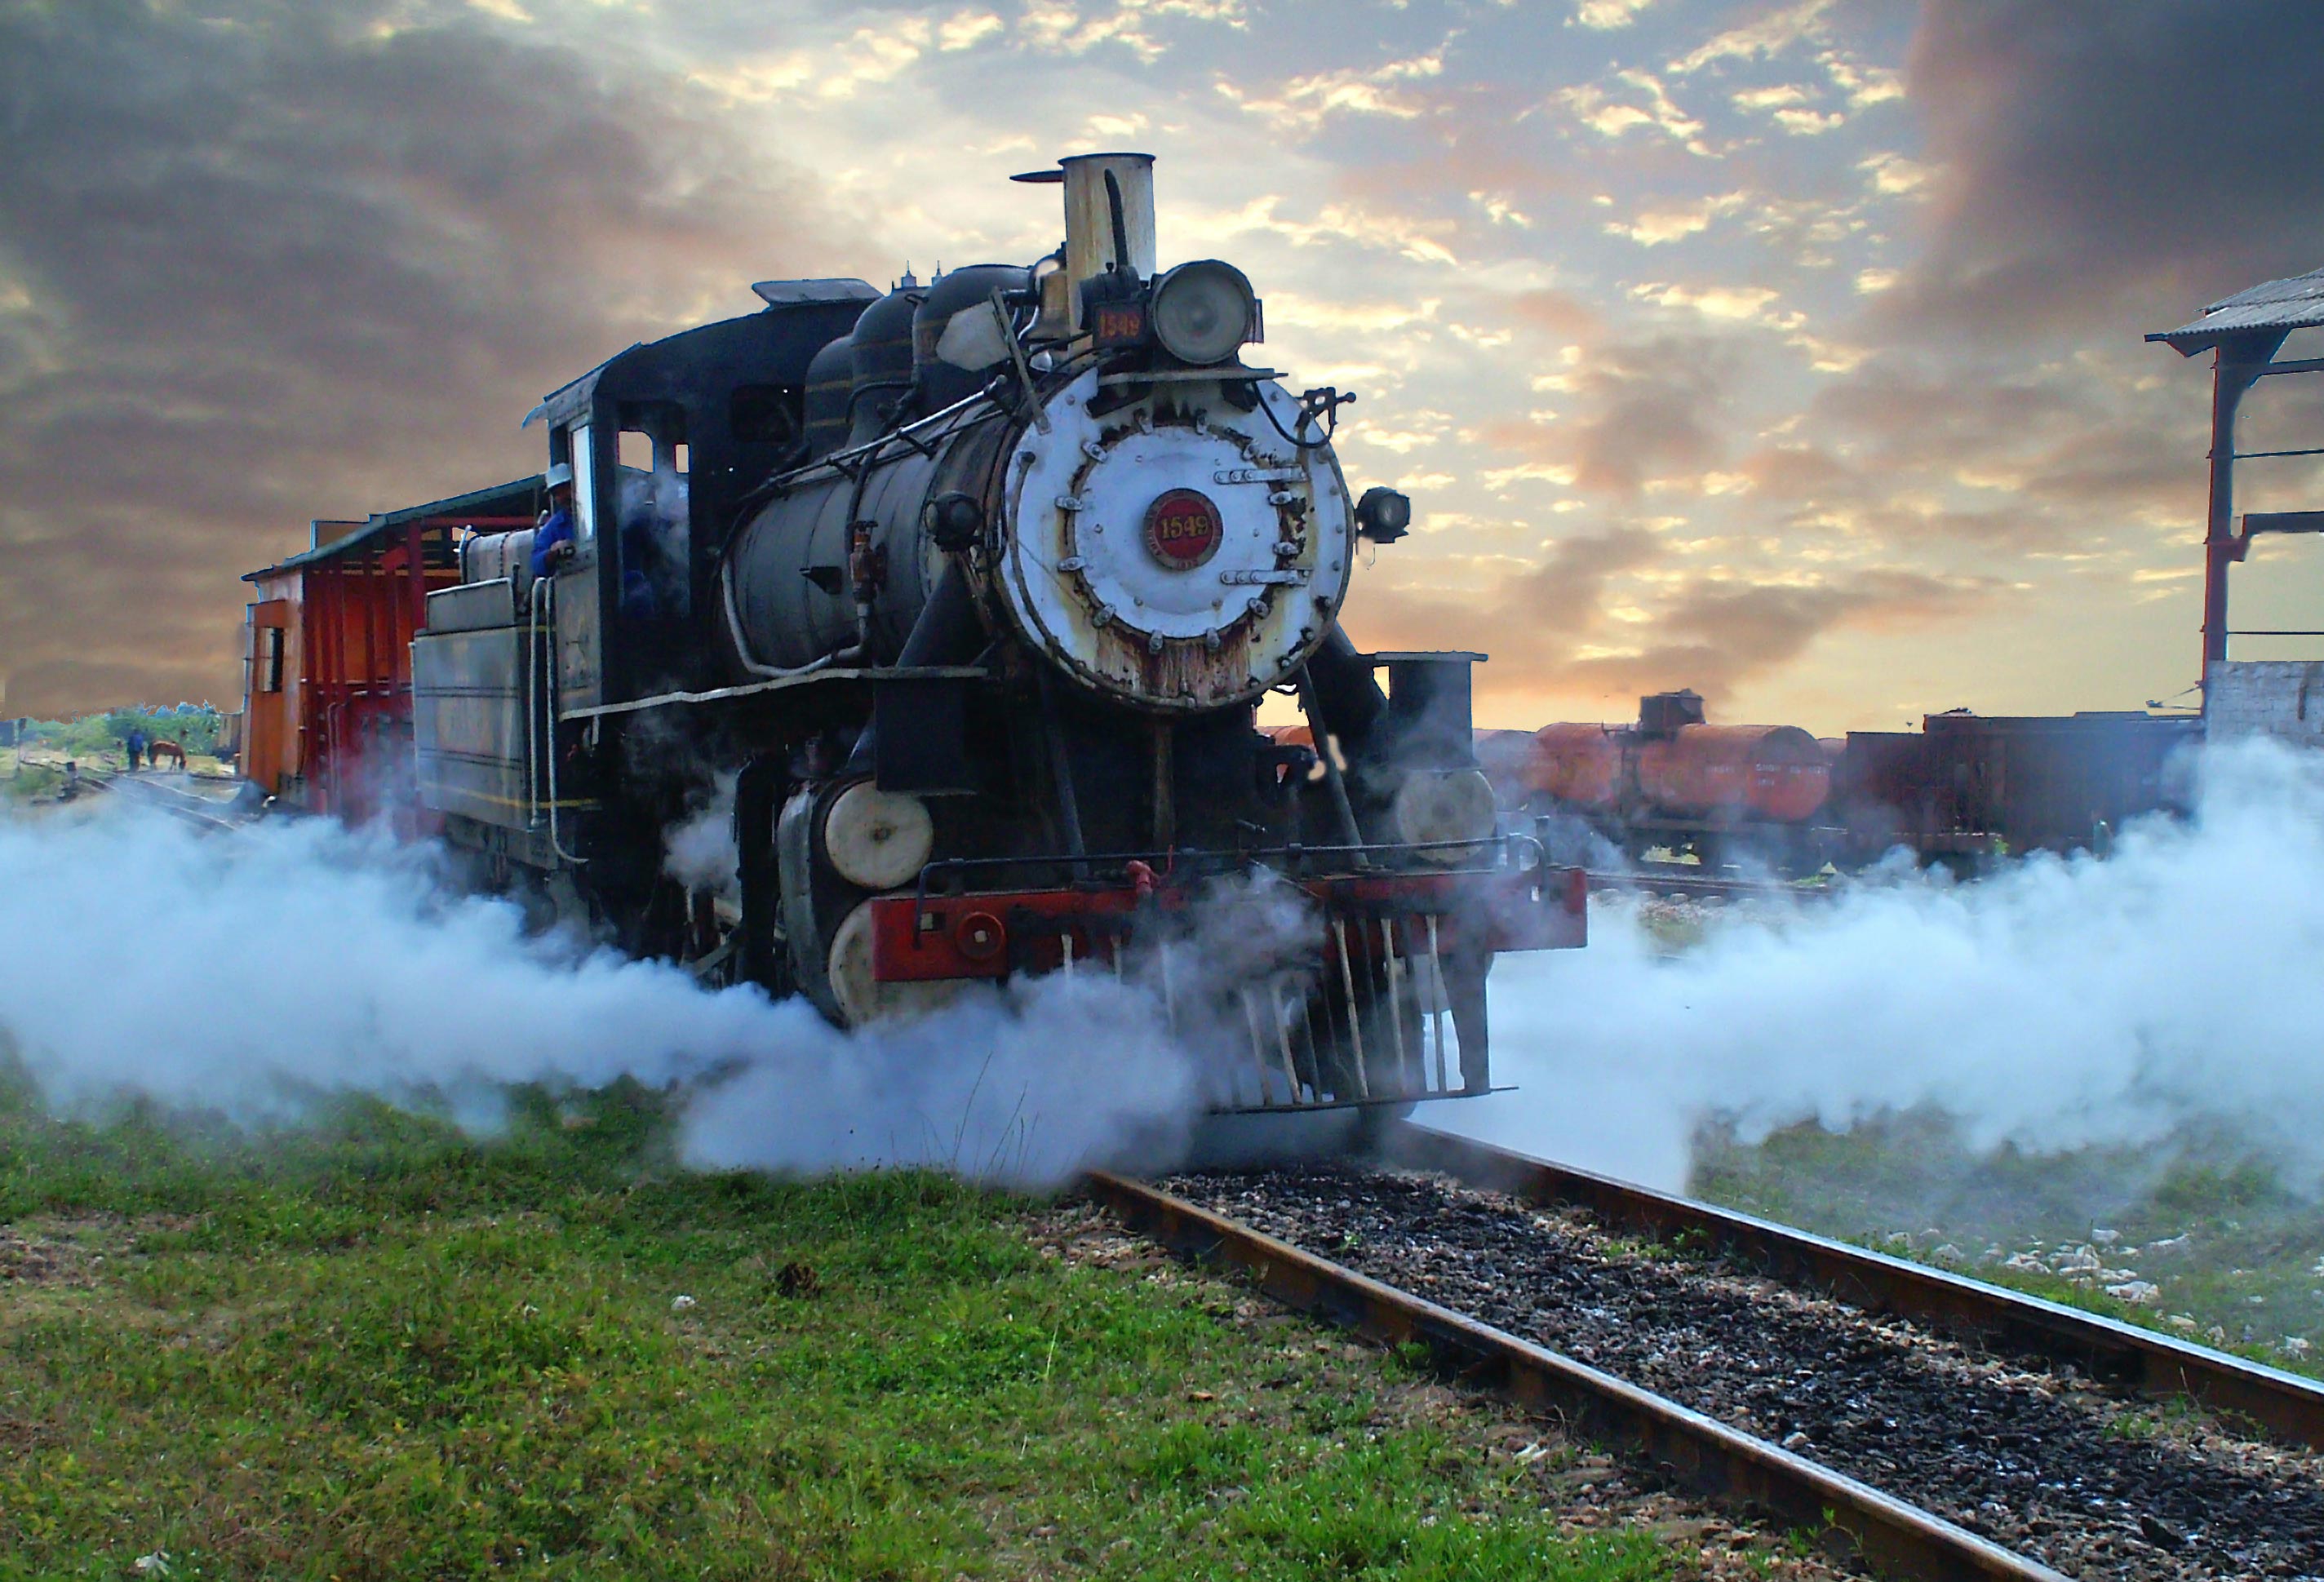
2271, 307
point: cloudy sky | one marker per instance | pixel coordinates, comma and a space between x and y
1786, 351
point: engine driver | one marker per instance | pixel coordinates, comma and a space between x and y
552, 540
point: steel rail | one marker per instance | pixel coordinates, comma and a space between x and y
1697, 1452
2285, 1405
193, 809
1699, 887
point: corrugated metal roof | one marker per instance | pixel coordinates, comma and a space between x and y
519, 498
2295, 302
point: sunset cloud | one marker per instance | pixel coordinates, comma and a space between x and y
1783, 348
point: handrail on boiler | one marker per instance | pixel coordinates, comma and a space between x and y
549, 736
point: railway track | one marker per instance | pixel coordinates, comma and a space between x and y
190, 806
1926, 1425
2288, 1407
1672, 879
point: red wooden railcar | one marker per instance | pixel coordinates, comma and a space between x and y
327, 652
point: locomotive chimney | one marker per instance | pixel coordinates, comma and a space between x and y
1109, 221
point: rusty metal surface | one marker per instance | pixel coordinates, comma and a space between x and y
1693, 1450
2285, 1405
1576, 763
1776, 771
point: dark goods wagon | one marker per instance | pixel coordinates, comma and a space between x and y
1968, 787
1961, 790
963, 597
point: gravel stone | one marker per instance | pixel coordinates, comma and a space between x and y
2029, 1455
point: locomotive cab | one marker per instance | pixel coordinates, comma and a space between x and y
968, 593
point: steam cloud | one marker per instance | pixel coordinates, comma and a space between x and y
2059, 1004
702, 853
248, 975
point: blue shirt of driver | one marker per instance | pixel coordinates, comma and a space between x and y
557, 529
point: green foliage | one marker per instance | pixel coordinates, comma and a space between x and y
2209, 1188
373, 1347
22, 782
92, 735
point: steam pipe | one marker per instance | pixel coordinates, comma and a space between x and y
1061, 769
554, 844
860, 477
533, 704
749, 661
946, 624
1343, 683
1332, 777
861, 480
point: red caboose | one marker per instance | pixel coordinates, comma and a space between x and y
327, 651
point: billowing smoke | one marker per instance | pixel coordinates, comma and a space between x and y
250, 974
2058, 1004
701, 852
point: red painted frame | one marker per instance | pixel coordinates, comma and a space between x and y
988, 934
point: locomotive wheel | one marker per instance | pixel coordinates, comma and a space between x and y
862, 999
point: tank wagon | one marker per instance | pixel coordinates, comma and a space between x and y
1963, 788
969, 592
1672, 780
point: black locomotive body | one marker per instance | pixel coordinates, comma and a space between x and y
970, 592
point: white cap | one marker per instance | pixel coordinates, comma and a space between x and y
559, 473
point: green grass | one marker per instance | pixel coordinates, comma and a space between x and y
21, 782
375, 1347
2245, 1275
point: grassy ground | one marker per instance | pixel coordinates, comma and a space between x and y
21, 782
2236, 1257
378, 1349
43, 776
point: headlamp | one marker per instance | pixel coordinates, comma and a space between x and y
1204, 312
1383, 515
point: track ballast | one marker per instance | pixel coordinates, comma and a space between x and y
2037, 1458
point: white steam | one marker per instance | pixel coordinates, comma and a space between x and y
137, 956
702, 853
2059, 1003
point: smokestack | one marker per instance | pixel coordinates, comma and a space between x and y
1109, 220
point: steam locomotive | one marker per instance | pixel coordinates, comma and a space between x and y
971, 590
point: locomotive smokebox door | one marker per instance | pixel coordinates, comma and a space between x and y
919, 740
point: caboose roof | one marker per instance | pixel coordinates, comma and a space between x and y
521, 496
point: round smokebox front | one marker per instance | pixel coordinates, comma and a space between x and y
1177, 553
